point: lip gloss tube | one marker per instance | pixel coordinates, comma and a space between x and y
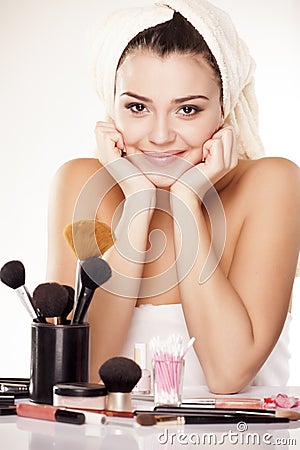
48, 412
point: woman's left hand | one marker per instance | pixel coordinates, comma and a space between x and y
219, 155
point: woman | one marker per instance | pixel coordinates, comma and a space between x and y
206, 235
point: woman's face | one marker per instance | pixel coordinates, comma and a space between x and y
166, 109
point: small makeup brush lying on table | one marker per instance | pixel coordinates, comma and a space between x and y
181, 411
180, 416
186, 419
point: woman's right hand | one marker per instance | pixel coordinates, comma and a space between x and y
111, 146
109, 142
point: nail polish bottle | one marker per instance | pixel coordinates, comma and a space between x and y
140, 357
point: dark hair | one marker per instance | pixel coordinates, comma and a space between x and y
174, 36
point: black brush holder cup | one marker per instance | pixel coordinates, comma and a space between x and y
59, 354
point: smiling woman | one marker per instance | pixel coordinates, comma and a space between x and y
176, 120
179, 180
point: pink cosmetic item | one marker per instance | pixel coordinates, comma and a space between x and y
47, 412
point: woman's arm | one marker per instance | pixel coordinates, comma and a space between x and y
112, 306
237, 318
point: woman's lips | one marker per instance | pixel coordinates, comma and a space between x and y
162, 158
171, 164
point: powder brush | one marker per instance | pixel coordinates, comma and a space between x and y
13, 275
51, 300
93, 273
88, 238
120, 375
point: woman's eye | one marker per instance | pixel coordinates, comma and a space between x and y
136, 108
188, 110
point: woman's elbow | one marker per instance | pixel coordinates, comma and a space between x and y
226, 382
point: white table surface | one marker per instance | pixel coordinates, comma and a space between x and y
18, 433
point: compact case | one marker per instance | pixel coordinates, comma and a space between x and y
80, 395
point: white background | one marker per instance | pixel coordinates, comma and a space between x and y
48, 110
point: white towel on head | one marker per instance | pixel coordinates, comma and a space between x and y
231, 53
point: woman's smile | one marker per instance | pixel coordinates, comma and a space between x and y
162, 158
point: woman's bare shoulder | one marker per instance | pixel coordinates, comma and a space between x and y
270, 175
80, 167
69, 180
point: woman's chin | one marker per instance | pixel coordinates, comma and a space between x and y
161, 181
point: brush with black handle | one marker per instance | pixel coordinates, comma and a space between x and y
13, 275
87, 238
93, 273
192, 419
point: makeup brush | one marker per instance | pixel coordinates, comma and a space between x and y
120, 375
150, 419
93, 273
13, 275
70, 304
51, 300
88, 238
182, 411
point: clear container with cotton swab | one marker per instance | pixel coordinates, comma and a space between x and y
168, 369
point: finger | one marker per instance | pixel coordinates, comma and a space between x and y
109, 129
230, 150
213, 151
227, 139
224, 129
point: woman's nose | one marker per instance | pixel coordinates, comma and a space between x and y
162, 132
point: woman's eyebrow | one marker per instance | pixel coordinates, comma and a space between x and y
139, 97
176, 100
189, 97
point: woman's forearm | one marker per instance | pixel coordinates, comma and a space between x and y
112, 308
214, 312
127, 256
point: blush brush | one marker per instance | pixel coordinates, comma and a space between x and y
120, 375
93, 273
13, 275
51, 300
